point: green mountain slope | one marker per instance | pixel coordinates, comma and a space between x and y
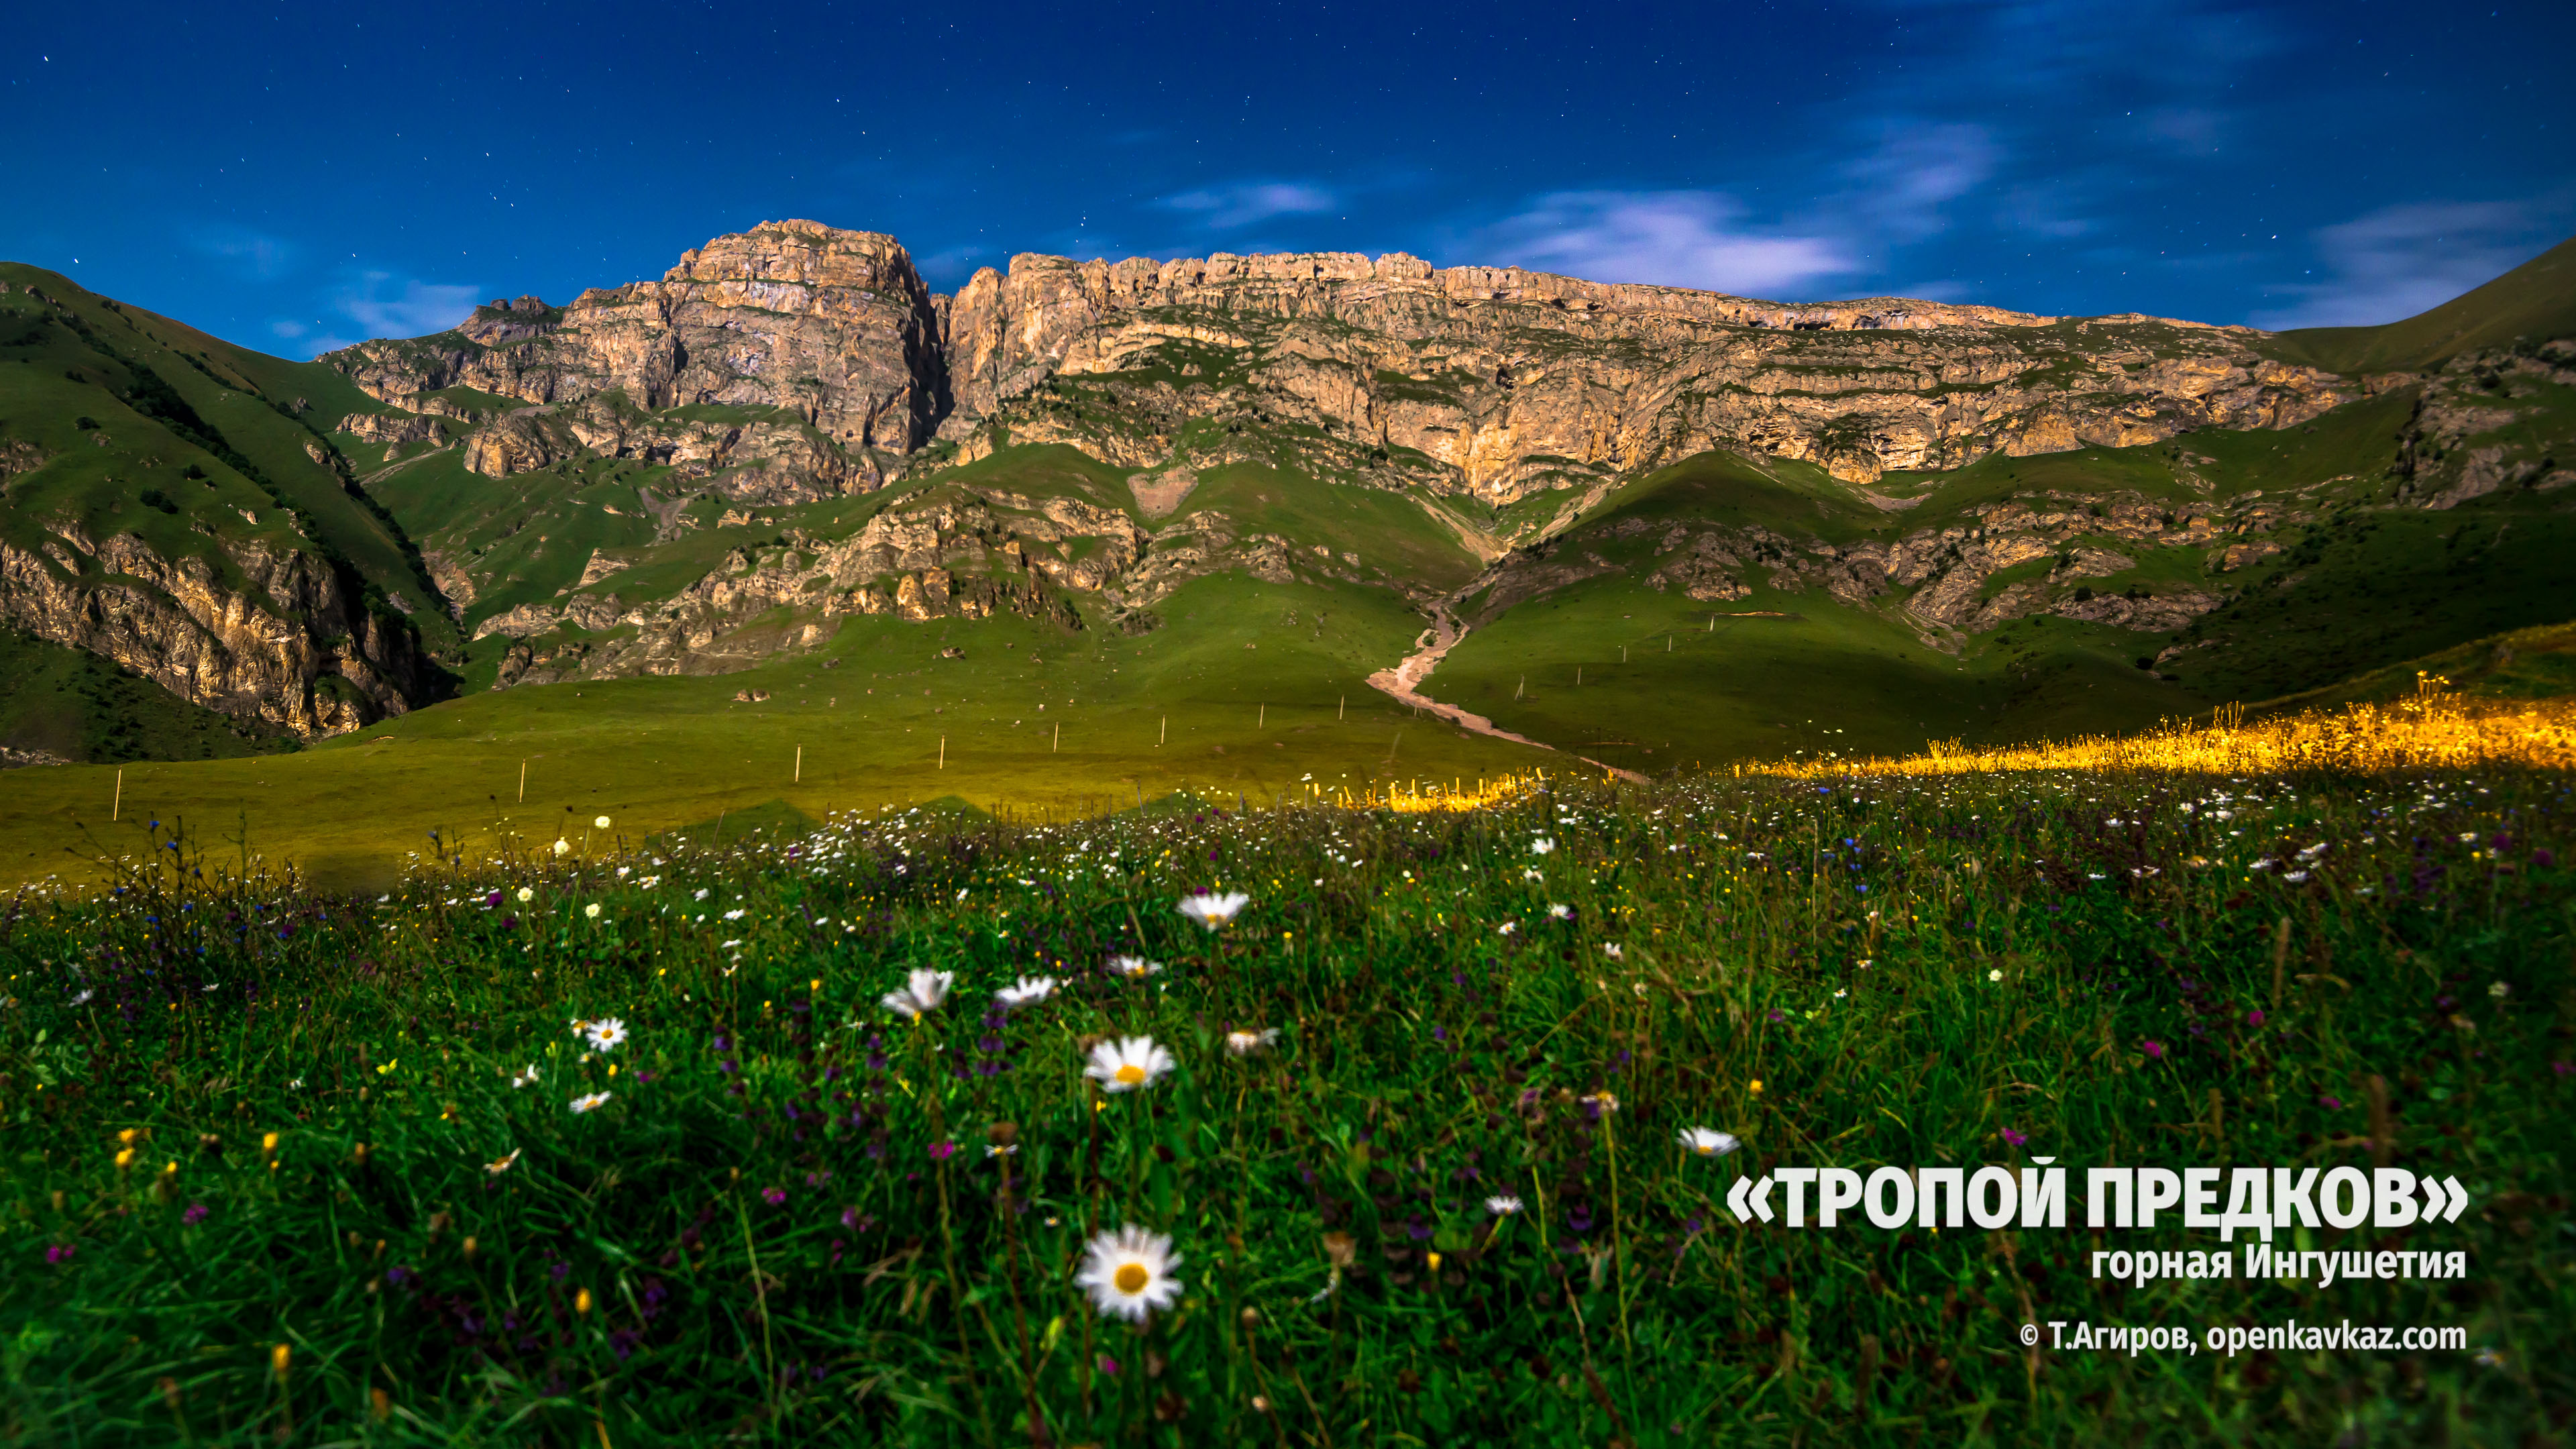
2533, 303
1174, 562
166, 501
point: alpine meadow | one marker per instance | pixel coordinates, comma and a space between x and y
1290, 848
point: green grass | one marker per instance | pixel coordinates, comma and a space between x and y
133, 375
664, 753
754, 1238
81, 707
2322, 610
2535, 301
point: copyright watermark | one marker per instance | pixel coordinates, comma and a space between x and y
2079, 1336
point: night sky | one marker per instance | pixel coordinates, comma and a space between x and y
294, 178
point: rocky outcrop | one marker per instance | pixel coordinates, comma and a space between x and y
280, 637
1498, 379
1943, 582
1492, 381
831, 327
970, 556
2462, 442
796, 362
19, 456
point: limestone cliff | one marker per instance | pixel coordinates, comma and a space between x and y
1489, 381
1499, 378
278, 636
831, 328
772, 373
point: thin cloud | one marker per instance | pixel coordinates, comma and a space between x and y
1902, 185
252, 253
409, 307
1675, 238
1247, 203
2400, 260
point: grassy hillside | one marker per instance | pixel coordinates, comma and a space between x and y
2534, 302
77, 706
224, 439
1252, 690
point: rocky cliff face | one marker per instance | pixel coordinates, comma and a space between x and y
1498, 379
1482, 380
2483, 424
796, 363
167, 503
831, 328
284, 641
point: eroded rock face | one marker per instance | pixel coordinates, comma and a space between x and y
1486, 380
797, 361
833, 325
277, 637
2462, 444
1500, 378
1941, 582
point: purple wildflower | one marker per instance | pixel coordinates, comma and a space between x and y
195, 1214
2155, 1050
2016, 1138
773, 1195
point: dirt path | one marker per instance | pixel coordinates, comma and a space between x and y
1403, 684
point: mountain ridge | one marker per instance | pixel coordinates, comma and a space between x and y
789, 429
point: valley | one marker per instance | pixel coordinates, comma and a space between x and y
657, 540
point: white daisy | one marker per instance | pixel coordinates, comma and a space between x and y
1245, 1043
1027, 991
1560, 912
1705, 1143
1129, 1272
600, 824
526, 1077
591, 911
591, 1103
504, 1165
1542, 846
1611, 950
1213, 911
1130, 1062
924, 992
605, 1035
1134, 968
526, 894
1504, 1206
562, 846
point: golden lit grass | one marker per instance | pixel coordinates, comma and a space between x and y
2434, 729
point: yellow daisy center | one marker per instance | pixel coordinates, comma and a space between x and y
1131, 1074
1131, 1276
1703, 1148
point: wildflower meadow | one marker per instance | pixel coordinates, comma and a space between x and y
1315, 1126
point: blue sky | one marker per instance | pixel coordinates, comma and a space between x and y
297, 176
